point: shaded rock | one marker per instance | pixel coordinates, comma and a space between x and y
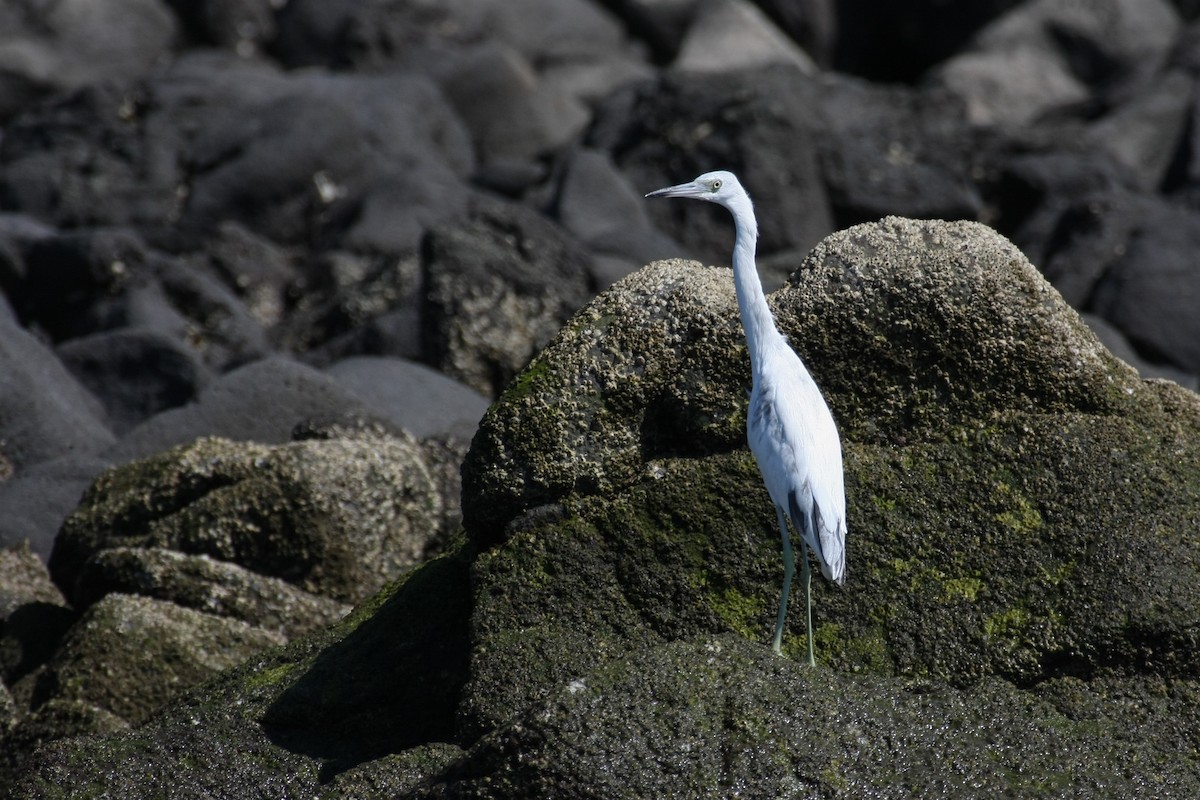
33, 614
205, 584
243, 25
730, 35
134, 373
92, 158
596, 203
671, 131
1051, 56
233, 407
44, 412
510, 112
293, 719
499, 284
719, 716
895, 150
1151, 289
335, 517
128, 655
891, 42
54, 719
348, 304
411, 396
78, 42
1145, 134
37, 500
72, 276
325, 150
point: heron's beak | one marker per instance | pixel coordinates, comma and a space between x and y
690, 189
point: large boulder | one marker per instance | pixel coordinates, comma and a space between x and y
1020, 569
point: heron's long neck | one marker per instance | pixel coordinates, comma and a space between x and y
756, 315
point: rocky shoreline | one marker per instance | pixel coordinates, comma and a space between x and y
271, 272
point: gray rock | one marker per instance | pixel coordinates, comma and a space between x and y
234, 406
134, 373
499, 284
1151, 289
731, 35
597, 204
127, 655
1050, 55
672, 131
74, 43
896, 150
1144, 133
510, 111
205, 584
33, 614
411, 396
39, 498
44, 412
338, 517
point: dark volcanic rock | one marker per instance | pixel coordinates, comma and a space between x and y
40, 497
670, 131
236, 407
499, 284
44, 412
411, 396
134, 373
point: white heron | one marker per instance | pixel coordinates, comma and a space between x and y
789, 427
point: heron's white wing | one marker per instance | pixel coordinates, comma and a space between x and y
795, 441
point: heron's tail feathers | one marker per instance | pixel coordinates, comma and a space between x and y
826, 540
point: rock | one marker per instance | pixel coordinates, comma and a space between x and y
243, 25
78, 42
720, 716
669, 132
134, 373
887, 42
44, 412
1150, 288
1049, 56
93, 158
1145, 133
337, 518
349, 304
205, 584
596, 203
499, 284
37, 500
731, 35
895, 150
33, 614
411, 396
281, 719
54, 719
233, 406
128, 655
597, 630
510, 112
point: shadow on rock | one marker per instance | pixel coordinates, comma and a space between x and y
346, 710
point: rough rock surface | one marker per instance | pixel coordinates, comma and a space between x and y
604, 629
270, 222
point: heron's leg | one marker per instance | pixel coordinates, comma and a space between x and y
789, 566
806, 580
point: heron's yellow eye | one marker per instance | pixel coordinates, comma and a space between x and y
716, 185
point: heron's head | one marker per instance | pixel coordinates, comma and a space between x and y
716, 187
